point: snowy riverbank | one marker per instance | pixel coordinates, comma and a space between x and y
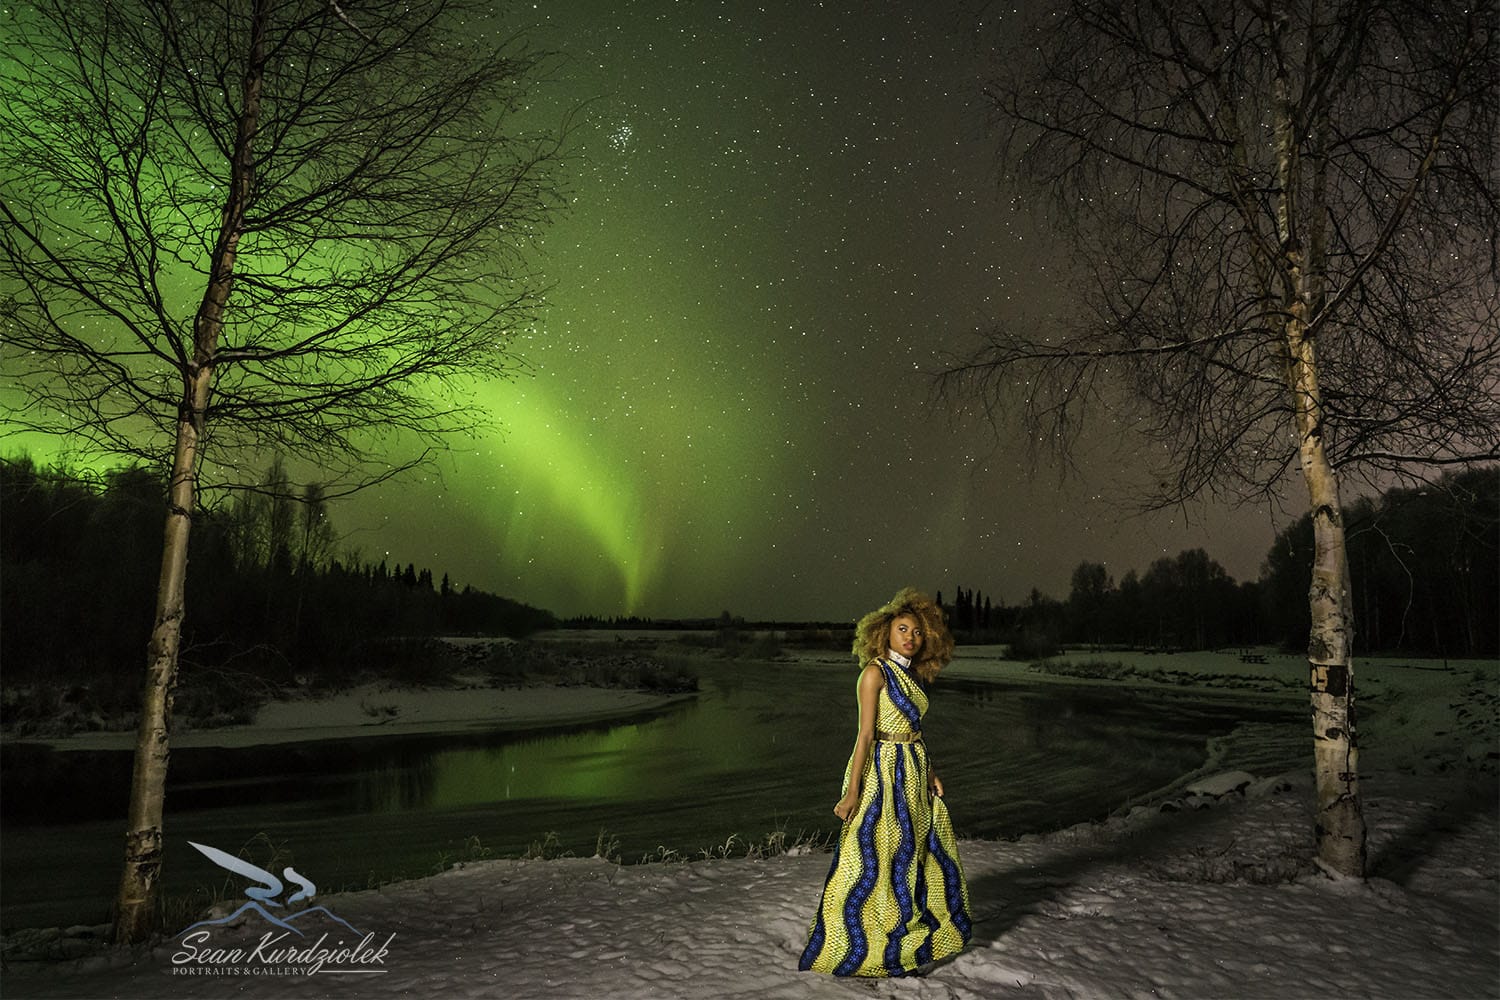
1196, 897
383, 710
1211, 902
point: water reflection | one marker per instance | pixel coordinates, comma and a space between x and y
622, 762
762, 747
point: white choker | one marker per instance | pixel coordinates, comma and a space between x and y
900, 659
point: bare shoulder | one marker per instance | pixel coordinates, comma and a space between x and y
872, 676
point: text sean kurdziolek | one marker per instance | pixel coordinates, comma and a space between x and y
197, 957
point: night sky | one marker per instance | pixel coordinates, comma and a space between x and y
783, 215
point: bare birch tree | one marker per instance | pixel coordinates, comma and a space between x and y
1285, 220
234, 228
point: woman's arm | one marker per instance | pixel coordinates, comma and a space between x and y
871, 680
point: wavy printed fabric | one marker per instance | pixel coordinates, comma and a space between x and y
895, 898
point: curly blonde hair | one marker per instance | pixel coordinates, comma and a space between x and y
872, 634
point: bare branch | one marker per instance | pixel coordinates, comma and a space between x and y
339, 13
1152, 130
381, 256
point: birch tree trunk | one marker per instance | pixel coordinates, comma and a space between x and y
1302, 234
1283, 209
1339, 821
143, 835
136, 898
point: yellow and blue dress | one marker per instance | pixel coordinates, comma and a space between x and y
895, 898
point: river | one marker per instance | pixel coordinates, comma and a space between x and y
761, 748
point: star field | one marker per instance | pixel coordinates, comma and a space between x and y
782, 215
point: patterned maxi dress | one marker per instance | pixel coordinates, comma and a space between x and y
895, 898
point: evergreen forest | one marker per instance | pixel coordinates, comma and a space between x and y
275, 604
272, 604
1424, 564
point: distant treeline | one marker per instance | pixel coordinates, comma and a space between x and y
269, 600
724, 622
1425, 567
1185, 602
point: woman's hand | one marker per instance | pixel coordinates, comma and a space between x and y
846, 807
935, 786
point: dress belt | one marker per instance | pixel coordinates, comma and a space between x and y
885, 737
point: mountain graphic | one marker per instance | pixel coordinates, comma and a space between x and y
326, 912
271, 918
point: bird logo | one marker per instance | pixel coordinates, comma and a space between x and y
265, 892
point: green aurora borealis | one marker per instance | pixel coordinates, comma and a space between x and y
782, 215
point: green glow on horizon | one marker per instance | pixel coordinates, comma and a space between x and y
600, 475
548, 475
781, 216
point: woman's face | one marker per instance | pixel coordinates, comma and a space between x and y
906, 635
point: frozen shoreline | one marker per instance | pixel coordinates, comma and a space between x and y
1203, 896
373, 710
1204, 902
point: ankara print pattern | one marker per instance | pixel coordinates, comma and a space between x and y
895, 898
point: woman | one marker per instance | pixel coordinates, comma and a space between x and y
895, 898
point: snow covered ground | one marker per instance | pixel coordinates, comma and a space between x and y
383, 710
1206, 895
